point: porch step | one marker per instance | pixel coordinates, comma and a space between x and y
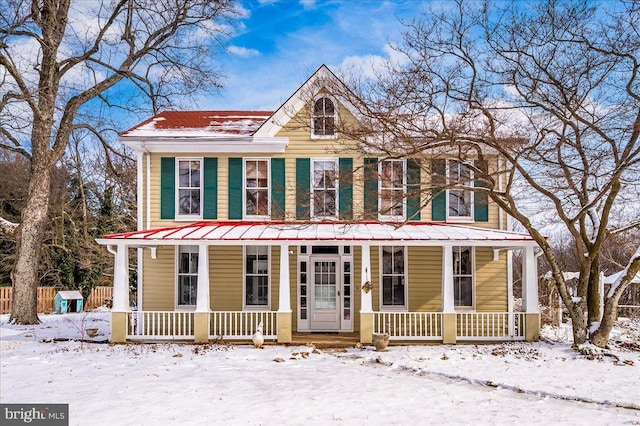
326, 340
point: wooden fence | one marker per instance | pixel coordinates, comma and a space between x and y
46, 298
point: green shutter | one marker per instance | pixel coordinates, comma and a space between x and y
345, 197
277, 188
480, 199
303, 188
210, 186
438, 181
235, 188
371, 188
413, 189
167, 188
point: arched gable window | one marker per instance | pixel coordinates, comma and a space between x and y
323, 117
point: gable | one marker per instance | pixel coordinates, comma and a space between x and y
322, 80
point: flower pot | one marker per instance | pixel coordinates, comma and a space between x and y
380, 341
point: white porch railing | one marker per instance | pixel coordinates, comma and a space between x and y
490, 326
160, 325
241, 325
409, 325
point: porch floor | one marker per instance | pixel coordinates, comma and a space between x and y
326, 340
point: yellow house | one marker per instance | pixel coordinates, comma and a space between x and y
251, 217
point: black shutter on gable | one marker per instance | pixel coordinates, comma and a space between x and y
167, 188
345, 198
210, 188
278, 198
480, 199
371, 188
235, 188
413, 189
439, 193
303, 188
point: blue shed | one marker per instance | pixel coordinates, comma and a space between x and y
68, 301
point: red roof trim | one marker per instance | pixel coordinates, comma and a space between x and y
170, 232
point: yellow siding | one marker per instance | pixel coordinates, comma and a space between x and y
425, 279
491, 281
225, 278
159, 282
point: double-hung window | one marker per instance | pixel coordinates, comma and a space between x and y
392, 188
189, 187
256, 271
394, 285
324, 188
187, 275
460, 195
323, 118
463, 277
256, 187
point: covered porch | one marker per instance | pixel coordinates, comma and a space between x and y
447, 323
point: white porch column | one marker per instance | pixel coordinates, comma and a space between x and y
120, 307
530, 294
365, 274
449, 320
285, 329
201, 316
121, 280
202, 302
366, 306
448, 303
284, 301
530, 282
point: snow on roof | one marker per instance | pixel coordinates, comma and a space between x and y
200, 123
70, 294
326, 231
614, 277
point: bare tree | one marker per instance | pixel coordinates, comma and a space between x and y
549, 95
60, 62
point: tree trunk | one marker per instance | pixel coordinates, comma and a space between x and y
593, 293
579, 326
29, 235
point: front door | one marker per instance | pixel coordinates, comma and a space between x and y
325, 294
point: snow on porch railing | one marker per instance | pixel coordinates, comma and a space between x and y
409, 325
240, 325
490, 326
160, 325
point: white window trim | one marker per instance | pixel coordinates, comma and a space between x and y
179, 307
394, 308
388, 217
244, 188
465, 219
312, 202
471, 308
335, 116
246, 307
184, 217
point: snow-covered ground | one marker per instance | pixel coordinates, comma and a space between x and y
153, 384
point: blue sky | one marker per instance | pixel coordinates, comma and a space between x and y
280, 43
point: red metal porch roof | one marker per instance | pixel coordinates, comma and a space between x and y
320, 231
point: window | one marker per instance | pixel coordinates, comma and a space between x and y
324, 188
189, 187
393, 277
187, 275
392, 185
460, 201
323, 117
256, 270
256, 187
462, 277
